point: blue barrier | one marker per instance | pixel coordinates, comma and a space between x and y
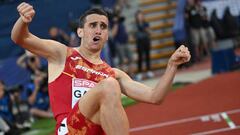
223, 57
12, 74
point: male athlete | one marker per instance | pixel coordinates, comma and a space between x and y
85, 92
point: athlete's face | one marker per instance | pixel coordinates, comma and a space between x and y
94, 34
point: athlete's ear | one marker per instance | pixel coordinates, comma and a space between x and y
80, 32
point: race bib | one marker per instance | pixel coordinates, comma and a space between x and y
63, 130
79, 88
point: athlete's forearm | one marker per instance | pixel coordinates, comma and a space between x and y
180, 56
164, 84
20, 32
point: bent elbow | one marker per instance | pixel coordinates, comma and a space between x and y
14, 38
19, 40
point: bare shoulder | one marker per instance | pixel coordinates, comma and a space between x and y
58, 51
55, 45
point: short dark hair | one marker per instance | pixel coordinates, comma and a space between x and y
98, 11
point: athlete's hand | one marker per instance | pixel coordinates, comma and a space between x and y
180, 56
26, 12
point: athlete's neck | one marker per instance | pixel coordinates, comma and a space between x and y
93, 57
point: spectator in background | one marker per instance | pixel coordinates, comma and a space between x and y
38, 97
193, 17
6, 114
20, 108
74, 40
112, 50
32, 63
3, 126
110, 43
5, 104
123, 3
143, 42
208, 31
231, 28
204, 39
120, 37
217, 25
59, 35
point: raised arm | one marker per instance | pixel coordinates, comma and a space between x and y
156, 94
49, 49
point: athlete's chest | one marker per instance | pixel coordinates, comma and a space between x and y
85, 76
82, 69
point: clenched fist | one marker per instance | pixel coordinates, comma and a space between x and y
26, 12
180, 56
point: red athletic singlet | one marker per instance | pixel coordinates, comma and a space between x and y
78, 76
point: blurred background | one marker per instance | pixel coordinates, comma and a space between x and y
148, 33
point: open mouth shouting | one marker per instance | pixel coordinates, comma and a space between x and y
96, 39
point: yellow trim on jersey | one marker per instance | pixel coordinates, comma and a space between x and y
68, 74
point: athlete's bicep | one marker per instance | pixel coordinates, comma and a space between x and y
48, 49
133, 89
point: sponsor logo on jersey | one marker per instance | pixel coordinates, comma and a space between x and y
83, 83
85, 69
